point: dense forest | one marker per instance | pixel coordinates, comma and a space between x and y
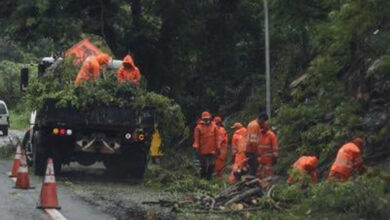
330, 61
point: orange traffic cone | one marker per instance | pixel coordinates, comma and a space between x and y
22, 179
16, 163
48, 198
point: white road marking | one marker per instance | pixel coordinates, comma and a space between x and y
53, 213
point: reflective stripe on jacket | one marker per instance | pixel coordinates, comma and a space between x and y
268, 145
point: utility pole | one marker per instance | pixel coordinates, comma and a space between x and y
267, 64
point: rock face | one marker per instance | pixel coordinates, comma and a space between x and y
377, 116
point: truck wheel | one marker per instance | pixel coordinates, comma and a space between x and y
138, 166
5, 132
39, 154
131, 163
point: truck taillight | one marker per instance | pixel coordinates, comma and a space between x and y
62, 131
141, 137
56, 131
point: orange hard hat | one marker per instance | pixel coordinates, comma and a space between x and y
218, 119
236, 125
206, 115
103, 59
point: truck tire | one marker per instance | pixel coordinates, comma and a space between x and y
5, 132
132, 162
138, 164
40, 154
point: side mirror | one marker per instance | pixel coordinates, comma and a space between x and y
23, 79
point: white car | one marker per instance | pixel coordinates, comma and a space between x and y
4, 118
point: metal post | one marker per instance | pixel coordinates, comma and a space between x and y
267, 64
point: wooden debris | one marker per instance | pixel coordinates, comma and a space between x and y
242, 197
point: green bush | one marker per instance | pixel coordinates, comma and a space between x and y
350, 200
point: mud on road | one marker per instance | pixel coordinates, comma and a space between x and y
95, 189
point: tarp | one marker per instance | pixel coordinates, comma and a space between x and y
82, 50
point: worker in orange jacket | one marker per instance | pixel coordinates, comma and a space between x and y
238, 151
348, 160
267, 151
253, 135
90, 70
206, 144
222, 151
304, 165
128, 71
239, 133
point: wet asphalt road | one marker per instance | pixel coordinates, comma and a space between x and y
84, 193
19, 204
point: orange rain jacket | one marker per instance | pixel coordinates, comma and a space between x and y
348, 159
268, 145
305, 164
253, 132
267, 151
239, 140
239, 144
206, 138
222, 151
131, 74
223, 141
91, 68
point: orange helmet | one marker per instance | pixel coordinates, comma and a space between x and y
236, 125
206, 115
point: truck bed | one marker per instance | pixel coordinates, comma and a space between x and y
98, 116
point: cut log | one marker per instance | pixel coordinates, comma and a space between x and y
244, 195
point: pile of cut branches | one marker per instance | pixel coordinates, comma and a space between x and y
247, 195
243, 196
